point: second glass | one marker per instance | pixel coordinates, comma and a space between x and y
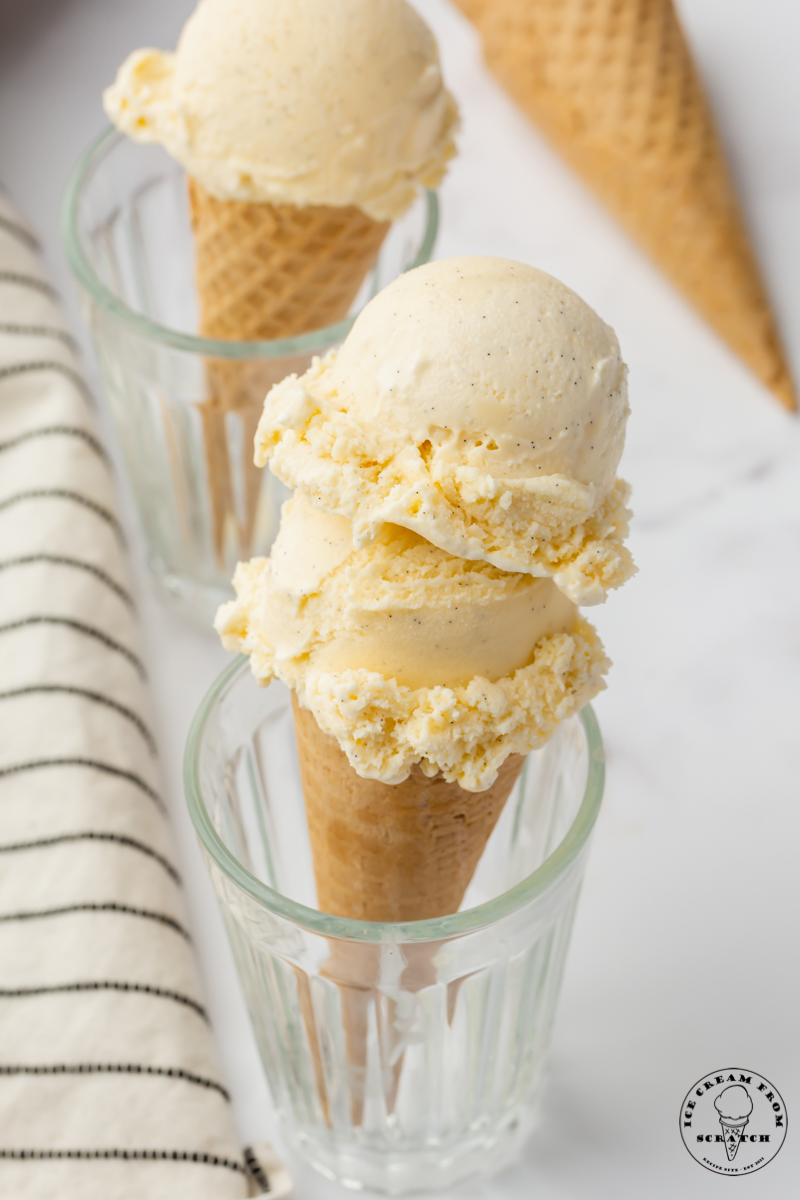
202, 503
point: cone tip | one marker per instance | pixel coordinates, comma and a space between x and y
783, 389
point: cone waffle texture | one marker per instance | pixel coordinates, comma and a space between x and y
613, 86
391, 852
275, 271
264, 271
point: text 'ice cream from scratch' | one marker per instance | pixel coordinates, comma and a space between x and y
456, 501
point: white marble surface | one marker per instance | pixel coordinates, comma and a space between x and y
685, 956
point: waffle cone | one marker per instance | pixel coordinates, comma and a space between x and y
391, 852
265, 271
613, 86
274, 270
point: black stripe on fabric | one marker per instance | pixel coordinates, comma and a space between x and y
79, 627
96, 697
29, 368
41, 764
73, 497
45, 331
104, 985
31, 281
19, 232
106, 907
58, 431
91, 836
255, 1170
116, 1069
58, 560
182, 1156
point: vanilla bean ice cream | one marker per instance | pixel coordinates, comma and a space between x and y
299, 102
480, 403
407, 654
456, 499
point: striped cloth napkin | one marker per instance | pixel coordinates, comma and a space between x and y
109, 1084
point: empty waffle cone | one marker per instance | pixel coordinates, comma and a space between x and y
391, 852
613, 86
265, 271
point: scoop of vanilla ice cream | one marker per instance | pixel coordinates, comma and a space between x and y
406, 654
479, 402
399, 606
297, 101
496, 366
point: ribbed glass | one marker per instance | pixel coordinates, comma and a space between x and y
399, 1056
202, 504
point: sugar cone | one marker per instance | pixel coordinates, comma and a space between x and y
265, 271
356, 970
613, 86
386, 852
391, 852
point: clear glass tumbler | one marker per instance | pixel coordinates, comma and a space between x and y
202, 503
399, 1056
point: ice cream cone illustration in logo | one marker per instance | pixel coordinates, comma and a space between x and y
734, 1107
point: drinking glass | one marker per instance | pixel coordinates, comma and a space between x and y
202, 503
407, 1056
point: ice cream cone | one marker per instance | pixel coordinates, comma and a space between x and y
295, 173
732, 1135
410, 652
391, 852
734, 1105
613, 86
265, 271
